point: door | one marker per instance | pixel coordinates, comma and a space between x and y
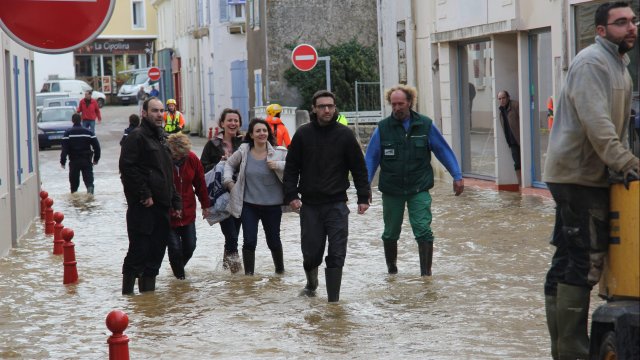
240, 89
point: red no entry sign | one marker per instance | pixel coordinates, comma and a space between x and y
54, 26
154, 74
304, 57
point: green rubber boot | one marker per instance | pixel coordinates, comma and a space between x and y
572, 314
552, 323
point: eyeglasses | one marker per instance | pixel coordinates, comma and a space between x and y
625, 22
325, 106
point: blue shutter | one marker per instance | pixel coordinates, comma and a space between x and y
240, 89
224, 10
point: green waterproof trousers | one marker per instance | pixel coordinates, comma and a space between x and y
419, 207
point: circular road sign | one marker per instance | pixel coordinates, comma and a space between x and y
54, 26
304, 57
154, 74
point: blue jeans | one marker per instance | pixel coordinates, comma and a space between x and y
181, 245
89, 124
270, 215
230, 229
580, 235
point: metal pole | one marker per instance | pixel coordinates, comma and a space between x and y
327, 69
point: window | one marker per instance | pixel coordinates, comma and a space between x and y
137, 12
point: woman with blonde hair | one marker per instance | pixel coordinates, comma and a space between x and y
188, 175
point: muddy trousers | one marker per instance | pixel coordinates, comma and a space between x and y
580, 235
81, 165
181, 245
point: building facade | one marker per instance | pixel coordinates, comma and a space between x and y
19, 174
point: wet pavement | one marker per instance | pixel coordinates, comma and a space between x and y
484, 300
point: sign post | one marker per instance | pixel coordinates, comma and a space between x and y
54, 27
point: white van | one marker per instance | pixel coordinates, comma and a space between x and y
127, 94
75, 88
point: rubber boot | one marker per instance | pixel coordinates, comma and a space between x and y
333, 277
572, 311
391, 255
90, 189
425, 250
226, 260
312, 283
552, 323
278, 260
249, 260
147, 283
178, 271
128, 283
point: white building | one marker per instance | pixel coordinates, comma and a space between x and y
19, 174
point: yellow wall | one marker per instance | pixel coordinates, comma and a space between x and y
121, 22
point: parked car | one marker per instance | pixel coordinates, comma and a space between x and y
52, 123
61, 101
75, 88
41, 97
127, 94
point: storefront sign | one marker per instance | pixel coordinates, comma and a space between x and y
116, 47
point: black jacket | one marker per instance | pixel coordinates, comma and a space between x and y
127, 131
213, 151
319, 161
79, 143
146, 169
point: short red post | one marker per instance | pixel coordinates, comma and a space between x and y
48, 216
43, 195
117, 322
70, 269
57, 233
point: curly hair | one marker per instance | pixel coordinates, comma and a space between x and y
179, 144
409, 91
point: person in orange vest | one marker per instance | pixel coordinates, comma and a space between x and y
279, 130
173, 119
550, 113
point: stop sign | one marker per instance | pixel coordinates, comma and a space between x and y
154, 74
304, 57
54, 26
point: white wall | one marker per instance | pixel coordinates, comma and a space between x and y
19, 174
60, 64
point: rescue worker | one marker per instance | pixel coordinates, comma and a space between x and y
277, 127
83, 149
173, 119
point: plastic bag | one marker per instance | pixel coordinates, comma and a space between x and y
218, 194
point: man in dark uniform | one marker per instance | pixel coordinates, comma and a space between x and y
146, 171
320, 157
83, 149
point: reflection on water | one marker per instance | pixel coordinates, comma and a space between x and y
484, 301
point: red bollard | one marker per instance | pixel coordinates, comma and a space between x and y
48, 216
43, 195
57, 233
117, 322
70, 270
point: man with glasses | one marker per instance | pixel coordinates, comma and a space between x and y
589, 135
402, 145
321, 155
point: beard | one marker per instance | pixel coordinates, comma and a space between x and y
624, 47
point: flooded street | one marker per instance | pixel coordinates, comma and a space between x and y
484, 301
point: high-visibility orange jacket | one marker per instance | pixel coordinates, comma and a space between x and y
173, 122
279, 131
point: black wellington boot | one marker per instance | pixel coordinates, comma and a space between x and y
146, 283
249, 260
312, 283
425, 250
128, 283
278, 260
391, 255
550, 308
333, 278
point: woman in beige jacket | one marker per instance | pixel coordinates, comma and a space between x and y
258, 194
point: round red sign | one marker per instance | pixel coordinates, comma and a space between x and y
154, 74
304, 57
54, 26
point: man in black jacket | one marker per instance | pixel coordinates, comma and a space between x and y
320, 157
83, 149
146, 171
